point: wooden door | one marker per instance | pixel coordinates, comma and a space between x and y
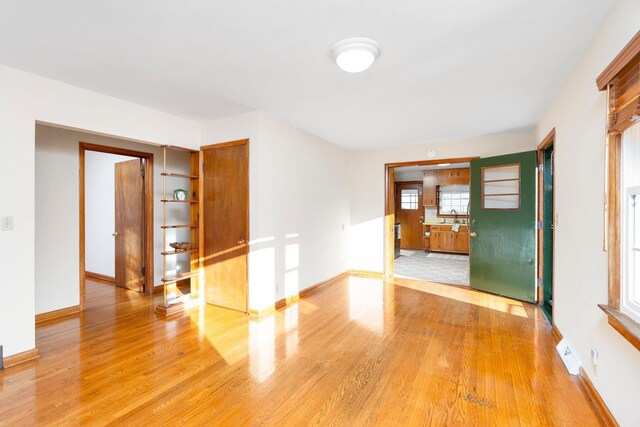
503, 224
410, 213
225, 223
129, 225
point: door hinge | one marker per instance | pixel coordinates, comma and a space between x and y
539, 225
143, 271
142, 171
540, 167
202, 166
539, 282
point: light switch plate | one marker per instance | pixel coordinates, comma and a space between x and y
6, 224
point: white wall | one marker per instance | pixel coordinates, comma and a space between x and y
99, 210
578, 114
24, 99
57, 216
299, 205
367, 185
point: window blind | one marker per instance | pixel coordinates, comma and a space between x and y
624, 98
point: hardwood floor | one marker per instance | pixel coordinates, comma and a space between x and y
359, 352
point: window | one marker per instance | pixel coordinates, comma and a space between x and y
409, 198
501, 187
621, 80
453, 198
630, 233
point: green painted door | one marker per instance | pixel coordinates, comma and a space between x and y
502, 225
547, 225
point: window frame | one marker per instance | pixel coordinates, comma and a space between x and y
482, 187
449, 215
616, 124
417, 201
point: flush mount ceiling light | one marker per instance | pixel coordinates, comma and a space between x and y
355, 54
444, 164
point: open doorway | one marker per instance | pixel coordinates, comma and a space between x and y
431, 232
116, 218
500, 221
60, 277
426, 212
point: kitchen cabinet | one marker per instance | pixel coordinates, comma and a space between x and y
461, 241
429, 188
432, 178
444, 240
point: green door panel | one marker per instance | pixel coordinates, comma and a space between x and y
547, 225
503, 251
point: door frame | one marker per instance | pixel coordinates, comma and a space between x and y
204, 148
148, 212
548, 141
390, 204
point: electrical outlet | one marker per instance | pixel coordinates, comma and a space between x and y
6, 224
594, 356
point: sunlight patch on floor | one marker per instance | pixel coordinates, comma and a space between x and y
469, 296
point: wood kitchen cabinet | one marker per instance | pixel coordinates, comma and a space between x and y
444, 240
461, 241
432, 178
429, 183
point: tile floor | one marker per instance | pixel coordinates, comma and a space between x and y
432, 266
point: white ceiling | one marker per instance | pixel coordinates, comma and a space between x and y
448, 69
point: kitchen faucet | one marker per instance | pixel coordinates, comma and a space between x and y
455, 216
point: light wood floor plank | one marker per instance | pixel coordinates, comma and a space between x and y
359, 352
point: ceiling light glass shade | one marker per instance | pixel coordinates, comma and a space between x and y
355, 54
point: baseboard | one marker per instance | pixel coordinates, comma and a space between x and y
293, 298
367, 273
596, 400
102, 278
55, 314
585, 382
557, 336
19, 358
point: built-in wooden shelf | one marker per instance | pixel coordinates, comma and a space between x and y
179, 252
179, 226
169, 309
173, 279
179, 175
192, 277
